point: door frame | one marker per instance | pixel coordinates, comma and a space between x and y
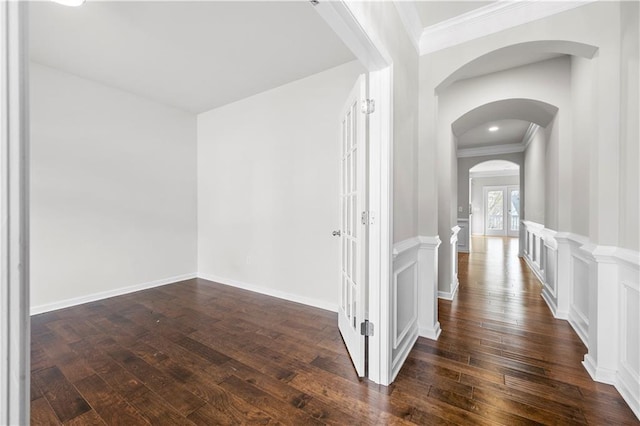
15, 329
14, 298
511, 233
351, 29
506, 189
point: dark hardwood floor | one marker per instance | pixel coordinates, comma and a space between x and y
203, 353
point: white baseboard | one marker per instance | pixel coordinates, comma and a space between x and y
449, 295
272, 292
430, 333
602, 375
48, 307
628, 395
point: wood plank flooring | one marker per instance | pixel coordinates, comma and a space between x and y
198, 352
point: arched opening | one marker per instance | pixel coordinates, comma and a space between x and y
494, 200
517, 55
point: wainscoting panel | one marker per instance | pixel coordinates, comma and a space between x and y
414, 304
533, 238
628, 375
403, 303
597, 289
579, 296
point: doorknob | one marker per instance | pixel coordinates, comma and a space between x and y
336, 233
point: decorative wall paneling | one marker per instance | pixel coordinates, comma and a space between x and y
597, 289
413, 303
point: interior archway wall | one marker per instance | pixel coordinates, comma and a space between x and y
575, 26
545, 83
467, 185
465, 164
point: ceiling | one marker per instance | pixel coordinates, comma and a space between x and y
434, 12
195, 56
509, 132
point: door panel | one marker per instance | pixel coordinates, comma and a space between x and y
494, 211
502, 210
513, 211
351, 308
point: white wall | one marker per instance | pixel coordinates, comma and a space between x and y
381, 19
630, 127
268, 189
584, 129
477, 197
546, 81
113, 200
534, 177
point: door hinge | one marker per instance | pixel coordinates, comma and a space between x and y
367, 218
366, 328
368, 106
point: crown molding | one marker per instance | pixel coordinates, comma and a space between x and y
490, 19
411, 20
529, 134
501, 149
491, 150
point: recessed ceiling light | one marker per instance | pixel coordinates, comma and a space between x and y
70, 2
493, 128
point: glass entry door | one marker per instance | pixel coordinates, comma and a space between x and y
502, 210
513, 211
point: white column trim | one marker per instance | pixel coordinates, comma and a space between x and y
14, 215
428, 324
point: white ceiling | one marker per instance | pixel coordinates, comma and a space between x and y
434, 12
192, 55
509, 132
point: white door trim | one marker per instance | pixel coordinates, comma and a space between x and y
352, 309
14, 215
378, 63
509, 232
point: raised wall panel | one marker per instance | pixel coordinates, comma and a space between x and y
630, 301
628, 376
405, 301
550, 270
579, 308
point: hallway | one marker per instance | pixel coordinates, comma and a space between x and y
504, 356
200, 352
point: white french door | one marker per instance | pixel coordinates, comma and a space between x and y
513, 211
353, 279
502, 210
